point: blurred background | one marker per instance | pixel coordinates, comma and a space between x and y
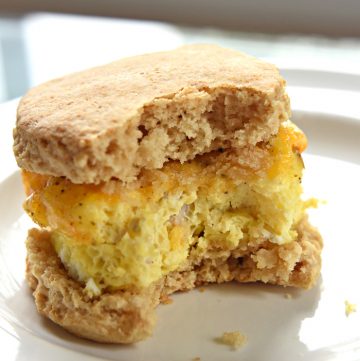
43, 39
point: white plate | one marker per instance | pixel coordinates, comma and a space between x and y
310, 326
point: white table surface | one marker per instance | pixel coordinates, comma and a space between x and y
7, 122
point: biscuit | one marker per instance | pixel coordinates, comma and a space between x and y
137, 113
128, 316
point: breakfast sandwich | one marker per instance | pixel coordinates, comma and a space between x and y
155, 174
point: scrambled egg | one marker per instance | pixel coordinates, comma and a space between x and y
349, 308
114, 236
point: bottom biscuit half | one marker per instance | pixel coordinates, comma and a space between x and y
127, 316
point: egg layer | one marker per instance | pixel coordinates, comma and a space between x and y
113, 235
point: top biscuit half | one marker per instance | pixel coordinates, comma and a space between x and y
138, 113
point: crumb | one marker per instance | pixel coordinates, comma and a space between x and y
288, 296
196, 359
201, 289
233, 339
349, 308
166, 300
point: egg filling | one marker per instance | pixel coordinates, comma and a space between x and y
114, 236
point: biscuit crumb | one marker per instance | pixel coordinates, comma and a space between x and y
201, 289
196, 359
349, 308
233, 339
288, 296
166, 300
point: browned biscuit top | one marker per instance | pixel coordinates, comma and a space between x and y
112, 121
